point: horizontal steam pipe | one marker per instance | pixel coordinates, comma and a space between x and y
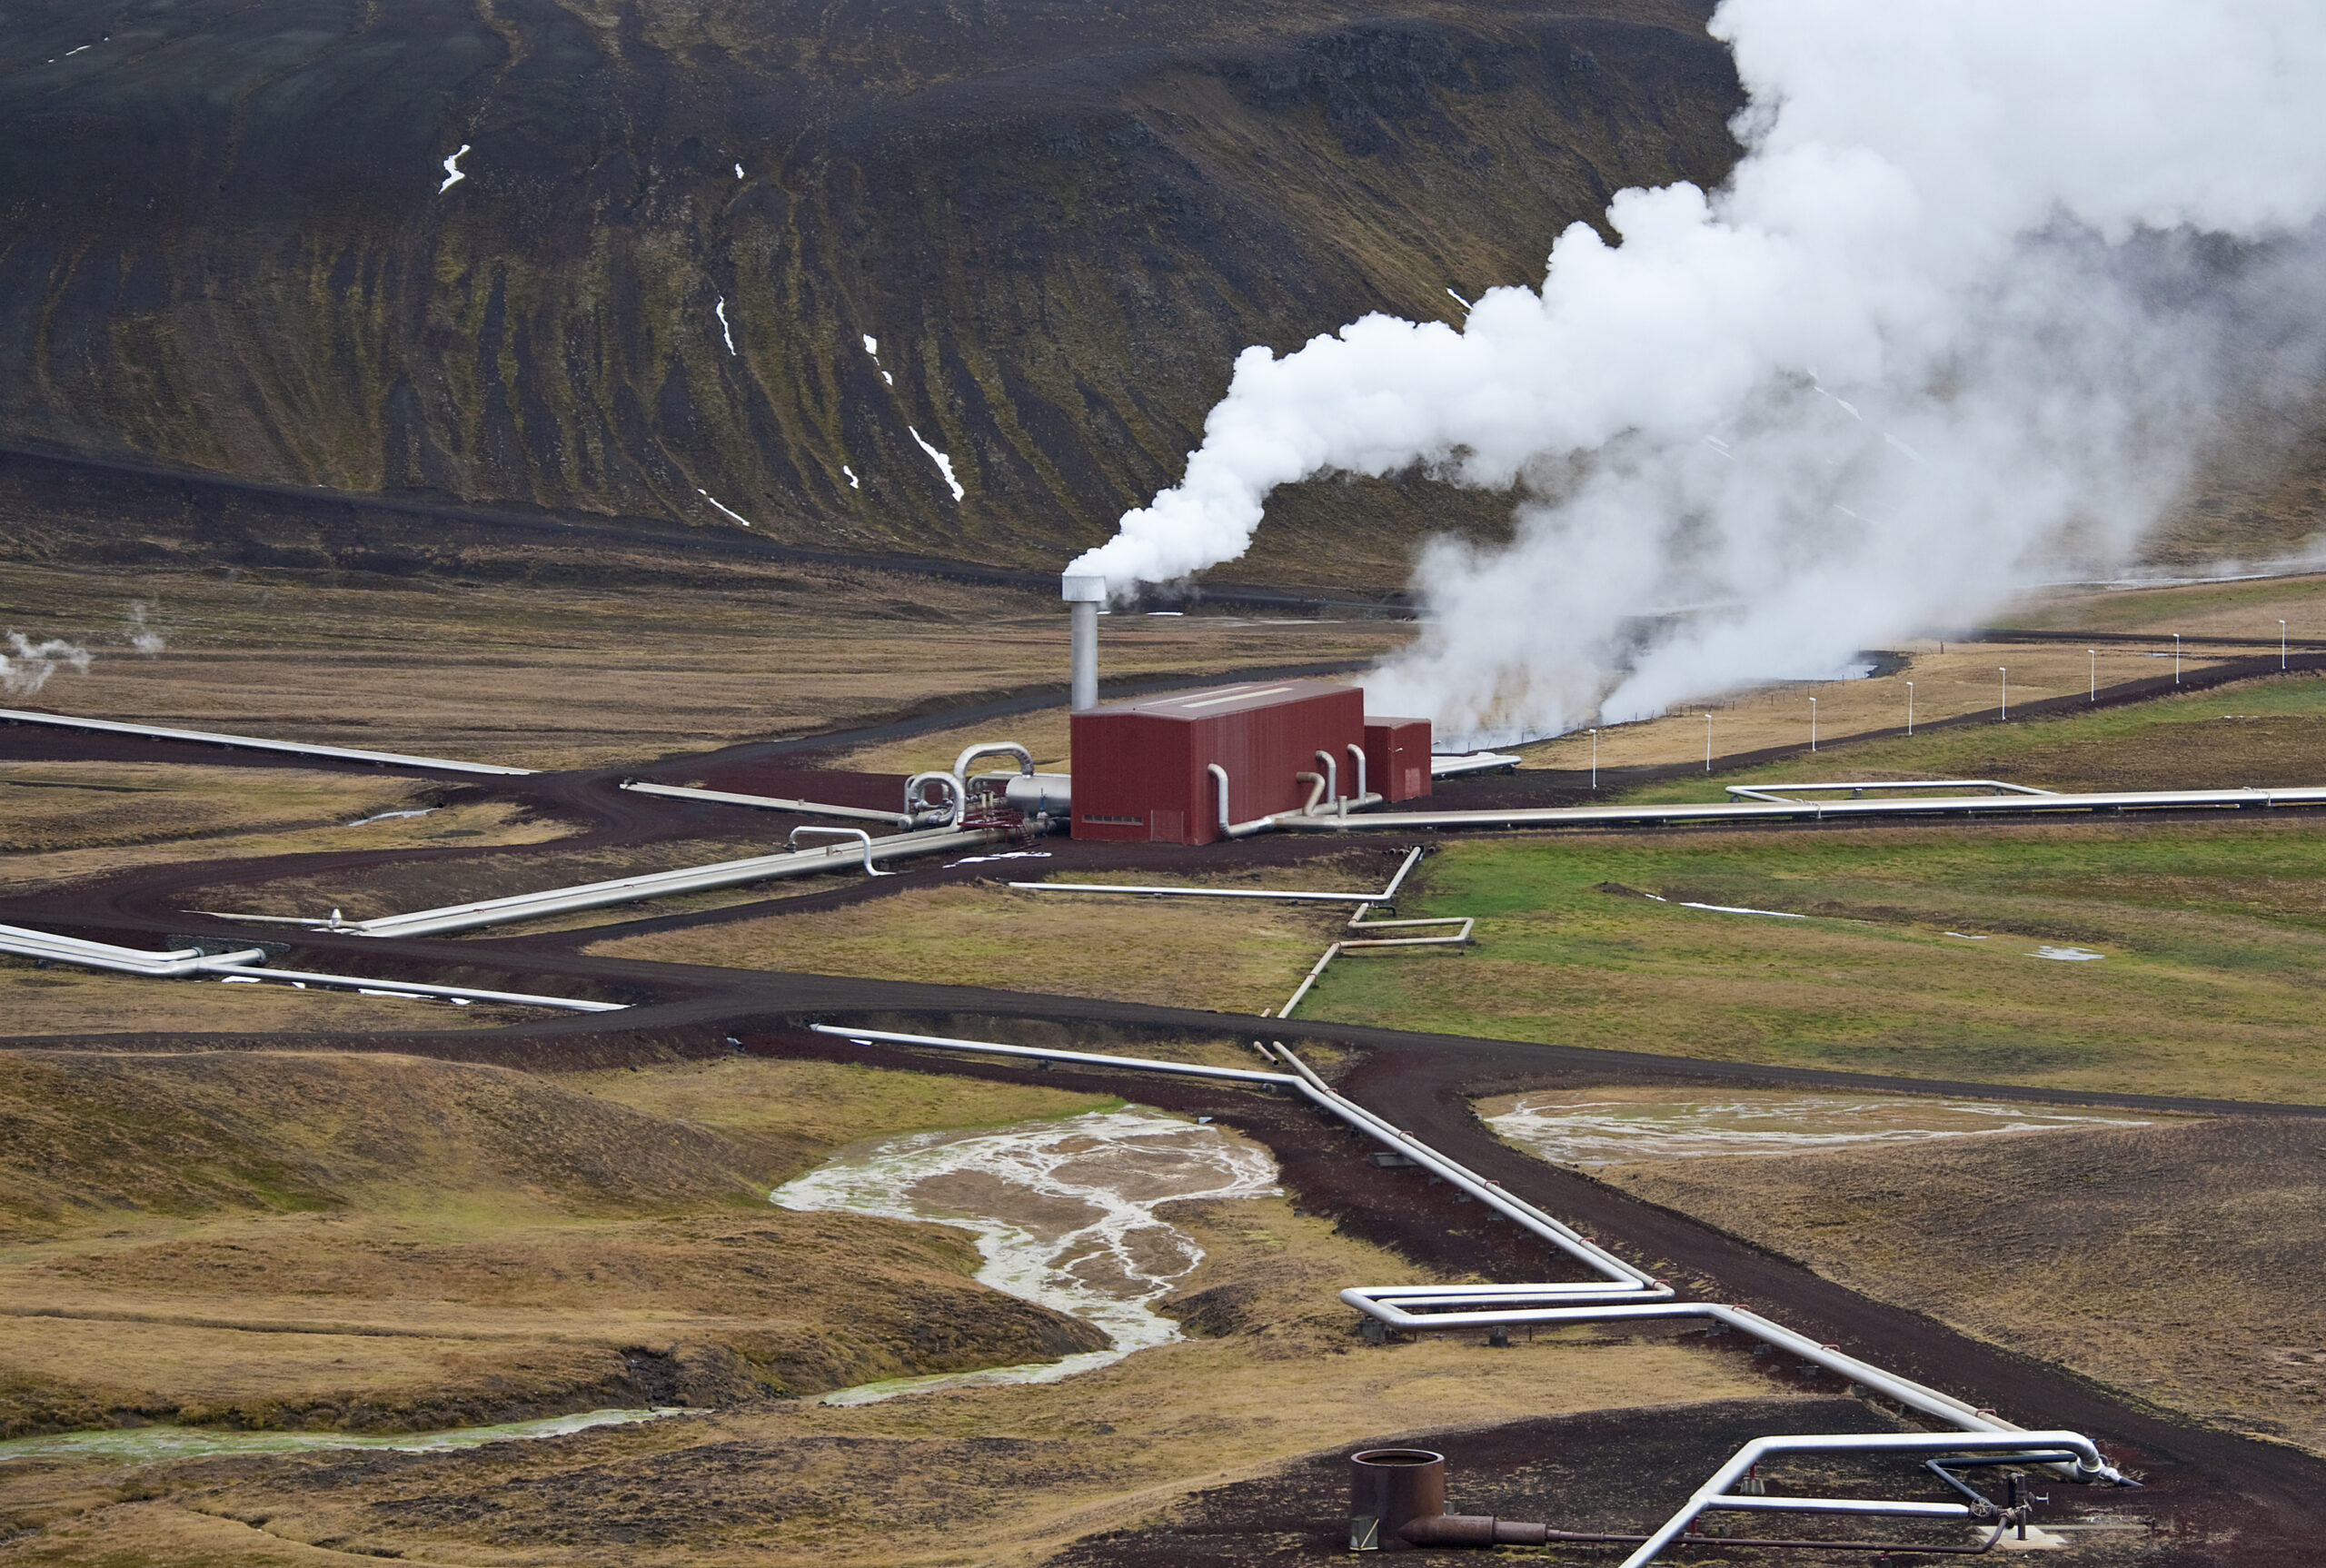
28, 943
1383, 896
247, 963
1775, 792
653, 885
768, 803
420, 988
1813, 810
252, 743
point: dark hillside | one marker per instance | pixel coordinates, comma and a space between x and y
222, 243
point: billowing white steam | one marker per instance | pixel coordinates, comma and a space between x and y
1962, 317
26, 668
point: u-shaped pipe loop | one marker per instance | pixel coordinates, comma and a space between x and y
857, 833
917, 798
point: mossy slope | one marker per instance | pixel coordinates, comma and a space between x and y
225, 246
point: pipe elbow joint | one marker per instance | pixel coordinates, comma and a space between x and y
1471, 1530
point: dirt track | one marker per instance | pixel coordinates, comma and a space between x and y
1423, 1082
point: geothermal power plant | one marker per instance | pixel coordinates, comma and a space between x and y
1208, 766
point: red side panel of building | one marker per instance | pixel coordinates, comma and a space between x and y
1397, 757
1142, 769
1127, 771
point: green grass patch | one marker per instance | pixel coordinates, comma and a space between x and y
2213, 936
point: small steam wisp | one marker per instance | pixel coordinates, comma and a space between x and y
1961, 319
142, 637
26, 668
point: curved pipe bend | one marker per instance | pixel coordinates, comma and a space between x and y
994, 749
857, 833
961, 773
917, 806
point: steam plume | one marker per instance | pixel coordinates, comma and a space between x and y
1961, 319
26, 668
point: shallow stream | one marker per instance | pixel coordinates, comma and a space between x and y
1064, 1213
139, 1444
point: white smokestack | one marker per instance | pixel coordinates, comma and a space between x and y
1083, 593
1956, 322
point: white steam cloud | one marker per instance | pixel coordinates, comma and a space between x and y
1963, 318
26, 668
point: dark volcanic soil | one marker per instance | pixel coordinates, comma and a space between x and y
1619, 1473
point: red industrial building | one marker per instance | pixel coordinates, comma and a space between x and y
1144, 769
1397, 757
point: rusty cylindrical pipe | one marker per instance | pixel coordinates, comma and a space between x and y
1473, 1530
1388, 1489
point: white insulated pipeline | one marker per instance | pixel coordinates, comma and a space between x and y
917, 813
250, 963
768, 803
252, 743
1622, 1293
659, 884
1358, 922
26, 943
2066, 1452
1765, 810
1387, 895
1231, 828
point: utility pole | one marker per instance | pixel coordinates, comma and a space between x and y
1813, 724
2004, 671
1910, 708
1595, 761
2093, 656
1708, 742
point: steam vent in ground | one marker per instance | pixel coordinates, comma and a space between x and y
1003, 782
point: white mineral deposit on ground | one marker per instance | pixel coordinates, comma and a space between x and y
1596, 1127
1065, 1214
